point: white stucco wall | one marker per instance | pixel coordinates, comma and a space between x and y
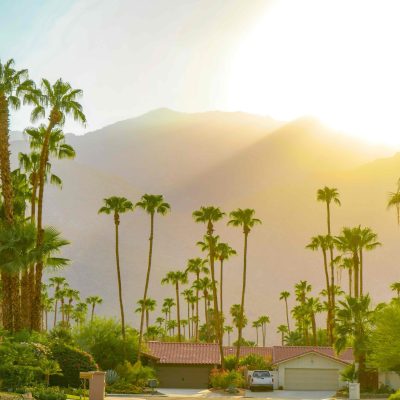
308, 361
390, 378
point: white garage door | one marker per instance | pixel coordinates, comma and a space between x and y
311, 379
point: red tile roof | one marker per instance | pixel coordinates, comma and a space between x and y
282, 353
208, 353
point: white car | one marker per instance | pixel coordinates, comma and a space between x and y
260, 379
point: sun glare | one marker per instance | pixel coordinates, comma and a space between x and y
336, 60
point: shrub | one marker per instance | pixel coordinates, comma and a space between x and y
111, 376
395, 396
230, 363
255, 361
136, 374
224, 379
349, 374
49, 393
103, 339
123, 387
71, 361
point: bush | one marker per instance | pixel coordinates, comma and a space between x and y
136, 374
103, 339
349, 374
111, 377
230, 363
255, 361
224, 379
123, 387
395, 396
49, 393
71, 361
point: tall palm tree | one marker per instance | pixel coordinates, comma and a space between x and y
256, 324
160, 321
394, 201
284, 296
146, 307
167, 305
79, 313
93, 301
58, 283
187, 295
245, 219
228, 329
395, 286
14, 86
48, 306
152, 204
175, 278
347, 263
313, 306
197, 266
117, 206
209, 215
61, 101
368, 241
239, 319
223, 252
325, 243
264, 320
283, 330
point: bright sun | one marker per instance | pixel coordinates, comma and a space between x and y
338, 60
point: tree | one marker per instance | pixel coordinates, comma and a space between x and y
283, 330
239, 319
209, 215
175, 278
197, 266
284, 296
228, 329
353, 328
223, 252
394, 201
117, 206
146, 307
93, 301
167, 305
245, 219
61, 101
325, 243
58, 283
152, 204
256, 324
14, 86
395, 286
313, 306
348, 263
187, 295
264, 320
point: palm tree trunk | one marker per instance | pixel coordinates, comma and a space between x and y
146, 286
361, 273
356, 274
287, 314
329, 317
264, 333
229, 338
47, 320
197, 308
257, 335
243, 297
147, 320
350, 281
55, 312
121, 305
92, 316
188, 314
314, 328
178, 316
7, 191
221, 277
205, 309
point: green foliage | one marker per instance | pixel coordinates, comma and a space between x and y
395, 396
111, 376
136, 374
123, 387
224, 379
349, 374
103, 339
72, 360
230, 362
255, 361
385, 340
49, 393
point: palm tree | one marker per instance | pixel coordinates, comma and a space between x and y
264, 320
175, 278
204, 284
228, 329
14, 85
146, 307
368, 241
58, 283
239, 319
394, 201
347, 263
245, 219
325, 243
171, 326
167, 306
187, 295
353, 328
283, 330
256, 324
197, 266
93, 301
160, 321
223, 252
116, 206
61, 100
79, 313
395, 286
313, 306
151, 204
284, 296
209, 215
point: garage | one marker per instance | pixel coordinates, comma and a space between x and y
311, 379
183, 376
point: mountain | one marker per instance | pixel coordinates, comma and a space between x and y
230, 160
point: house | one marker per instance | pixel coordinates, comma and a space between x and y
188, 365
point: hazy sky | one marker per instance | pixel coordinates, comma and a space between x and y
335, 59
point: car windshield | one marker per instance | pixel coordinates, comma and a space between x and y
261, 374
